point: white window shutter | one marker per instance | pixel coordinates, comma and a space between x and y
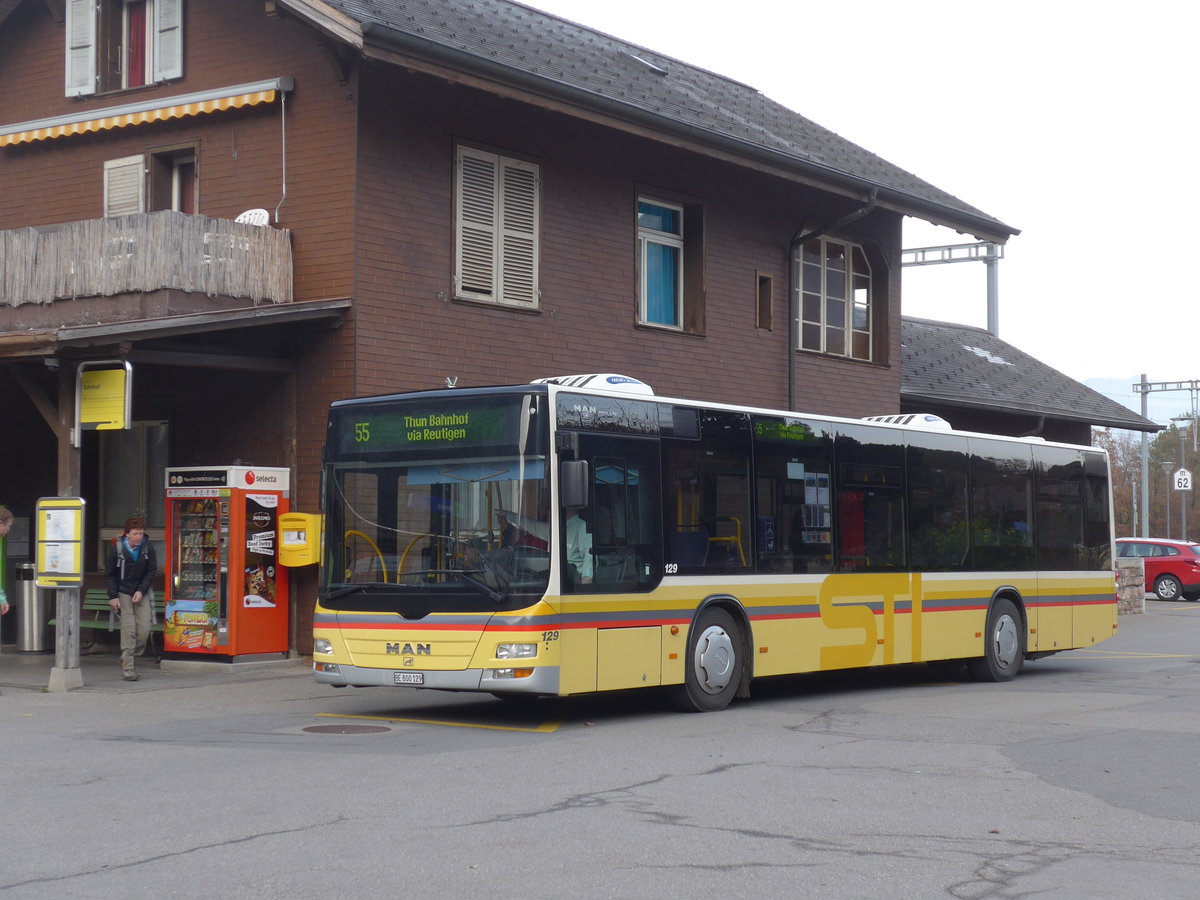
168, 39
477, 215
519, 230
124, 186
81, 47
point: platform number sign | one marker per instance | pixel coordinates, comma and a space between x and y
1183, 480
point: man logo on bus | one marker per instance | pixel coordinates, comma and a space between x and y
407, 649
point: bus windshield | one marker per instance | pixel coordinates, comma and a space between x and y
423, 496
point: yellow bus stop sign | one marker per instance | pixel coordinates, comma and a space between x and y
59, 542
102, 398
104, 395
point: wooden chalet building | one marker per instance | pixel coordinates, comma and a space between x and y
454, 189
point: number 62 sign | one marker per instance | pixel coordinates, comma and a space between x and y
1183, 480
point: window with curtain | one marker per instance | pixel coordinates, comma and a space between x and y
660, 263
113, 45
134, 29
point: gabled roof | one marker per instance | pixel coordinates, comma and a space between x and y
503, 43
960, 365
509, 44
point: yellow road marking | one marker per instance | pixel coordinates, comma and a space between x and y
544, 728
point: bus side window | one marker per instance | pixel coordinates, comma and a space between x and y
937, 501
870, 499
707, 498
1060, 537
793, 459
1096, 525
1001, 505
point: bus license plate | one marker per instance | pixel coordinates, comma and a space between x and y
409, 677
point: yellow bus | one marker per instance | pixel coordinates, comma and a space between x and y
583, 534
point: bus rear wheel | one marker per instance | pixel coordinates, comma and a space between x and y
1003, 645
713, 664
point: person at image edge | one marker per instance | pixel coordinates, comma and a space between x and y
6, 520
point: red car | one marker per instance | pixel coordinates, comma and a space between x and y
1172, 567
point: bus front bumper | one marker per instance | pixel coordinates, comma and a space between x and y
541, 680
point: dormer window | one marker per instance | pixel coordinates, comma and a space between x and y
115, 45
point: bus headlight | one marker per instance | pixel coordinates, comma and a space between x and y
516, 651
321, 645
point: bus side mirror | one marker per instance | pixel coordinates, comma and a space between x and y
574, 484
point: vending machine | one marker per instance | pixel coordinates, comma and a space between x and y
226, 594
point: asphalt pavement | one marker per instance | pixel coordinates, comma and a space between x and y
1075, 780
101, 670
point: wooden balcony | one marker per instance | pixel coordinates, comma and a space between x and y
142, 253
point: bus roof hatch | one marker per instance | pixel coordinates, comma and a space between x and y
607, 381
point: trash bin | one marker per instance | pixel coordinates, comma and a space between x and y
33, 611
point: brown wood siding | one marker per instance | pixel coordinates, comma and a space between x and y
413, 334
241, 154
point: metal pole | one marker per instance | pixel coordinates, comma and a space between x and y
1145, 532
993, 290
1180, 422
1167, 468
1133, 518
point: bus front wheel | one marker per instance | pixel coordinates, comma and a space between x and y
1003, 645
713, 664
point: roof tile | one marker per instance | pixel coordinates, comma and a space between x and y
963, 365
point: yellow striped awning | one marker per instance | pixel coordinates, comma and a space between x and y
138, 113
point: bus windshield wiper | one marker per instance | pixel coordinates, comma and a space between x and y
487, 590
369, 587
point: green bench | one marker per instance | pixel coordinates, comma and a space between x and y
96, 614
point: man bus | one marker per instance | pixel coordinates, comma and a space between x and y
724, 544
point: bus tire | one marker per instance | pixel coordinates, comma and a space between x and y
713, 668
1003, 644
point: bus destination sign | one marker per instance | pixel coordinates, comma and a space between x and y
422, 427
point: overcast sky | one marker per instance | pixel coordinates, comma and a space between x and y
1071, 121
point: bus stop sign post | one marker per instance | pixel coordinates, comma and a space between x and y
59, 560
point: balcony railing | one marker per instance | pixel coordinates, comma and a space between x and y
146, 252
